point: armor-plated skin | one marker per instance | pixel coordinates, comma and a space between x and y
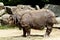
37, 19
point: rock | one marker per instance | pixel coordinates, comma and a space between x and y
54, 8
1, 4
37, 7
0, 20
25, 7
2, 10
58, 20
58, 23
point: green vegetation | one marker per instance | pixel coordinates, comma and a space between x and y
7, 27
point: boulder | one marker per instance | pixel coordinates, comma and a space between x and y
1, 4
58, 23
2, 12
37, 7
58, 20
54, 8
25, 7
2, 9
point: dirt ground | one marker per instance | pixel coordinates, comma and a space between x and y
16, 34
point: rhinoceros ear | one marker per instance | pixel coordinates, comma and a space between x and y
8, 10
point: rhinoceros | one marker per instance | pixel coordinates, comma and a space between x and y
35, 19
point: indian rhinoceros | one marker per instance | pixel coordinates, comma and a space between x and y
35, 19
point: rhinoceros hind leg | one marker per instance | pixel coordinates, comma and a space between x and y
49, 30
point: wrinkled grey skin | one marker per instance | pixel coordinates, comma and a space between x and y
15, 20
36, 19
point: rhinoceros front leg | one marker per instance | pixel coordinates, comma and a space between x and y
28, 31
48, 31
24, 32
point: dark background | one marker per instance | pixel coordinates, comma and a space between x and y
41, 3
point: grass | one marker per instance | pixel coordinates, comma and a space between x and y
7, 27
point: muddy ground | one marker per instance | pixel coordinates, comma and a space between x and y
16, 34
